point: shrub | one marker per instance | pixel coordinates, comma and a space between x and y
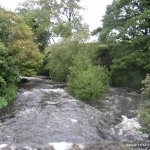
59, 59
3, 102
145, 108
145, 116
146, 82
86, 81
29, 56
9, 76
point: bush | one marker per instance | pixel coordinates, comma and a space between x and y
145, 116
145, 108
3, 102
9, 76
29, 56
146, 82
59, 59
86, 81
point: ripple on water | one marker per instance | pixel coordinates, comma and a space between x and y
53, 90
27, 112
34, 91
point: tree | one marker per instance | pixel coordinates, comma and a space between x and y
30, 59
39, 20
126, 29
18, 37
12, 28
59, 59
125, 20
50, 18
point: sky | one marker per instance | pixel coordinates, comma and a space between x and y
93, 13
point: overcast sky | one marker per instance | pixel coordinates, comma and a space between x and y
95, 9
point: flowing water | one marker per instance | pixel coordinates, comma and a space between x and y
44, 112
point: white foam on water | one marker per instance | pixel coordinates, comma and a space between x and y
61, 145
73, 120
26, 93
3, 146
54, 90
58, 90
129, 126
65, 145
72, 100
30, 78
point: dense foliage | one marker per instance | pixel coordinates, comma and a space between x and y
52, 19
74, 63
145, 108
18, 37
9, 75
19, 55
126, 31
146, 82
30, 59
59, 59
86, 80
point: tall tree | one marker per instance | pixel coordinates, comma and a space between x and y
126, 19
51, 18
126, 29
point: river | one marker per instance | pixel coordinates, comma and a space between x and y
44, 112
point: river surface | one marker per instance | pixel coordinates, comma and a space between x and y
44, 112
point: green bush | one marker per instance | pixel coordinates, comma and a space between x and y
3, 102
145, 116
146, 82
145, 108
59, 59
86, 81
30, 58
9, 76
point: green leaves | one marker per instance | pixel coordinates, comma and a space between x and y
51, 18
59, 58
63, 29
12, 28
126, 30
145, 116
146, 83
30, 59
9, 76
129, 18
3, 102
87, 81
